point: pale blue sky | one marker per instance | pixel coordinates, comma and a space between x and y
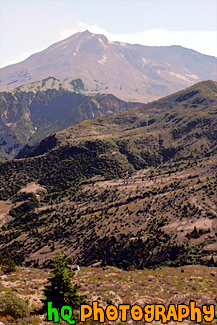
27, 26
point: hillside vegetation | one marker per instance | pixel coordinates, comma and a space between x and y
134, 189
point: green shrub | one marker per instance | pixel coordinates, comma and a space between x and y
12, 305
7, 265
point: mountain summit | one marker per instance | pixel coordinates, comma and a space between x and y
131, 72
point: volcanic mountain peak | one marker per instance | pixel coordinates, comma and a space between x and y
84, 41
130, 72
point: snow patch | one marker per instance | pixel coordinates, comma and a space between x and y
76, 51
103, 44
103, 60
193, 76
145, 61
177, 75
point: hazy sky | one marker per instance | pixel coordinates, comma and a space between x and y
28, 26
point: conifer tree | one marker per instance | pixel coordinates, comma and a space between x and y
60, 289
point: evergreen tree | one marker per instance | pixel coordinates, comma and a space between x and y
60, 289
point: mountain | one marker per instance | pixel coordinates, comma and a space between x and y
130, 72
134, 189
31, 112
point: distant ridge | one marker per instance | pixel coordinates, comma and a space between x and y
33, 111
130, 72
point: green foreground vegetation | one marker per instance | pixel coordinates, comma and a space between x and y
110, 285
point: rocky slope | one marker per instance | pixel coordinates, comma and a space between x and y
130, 72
